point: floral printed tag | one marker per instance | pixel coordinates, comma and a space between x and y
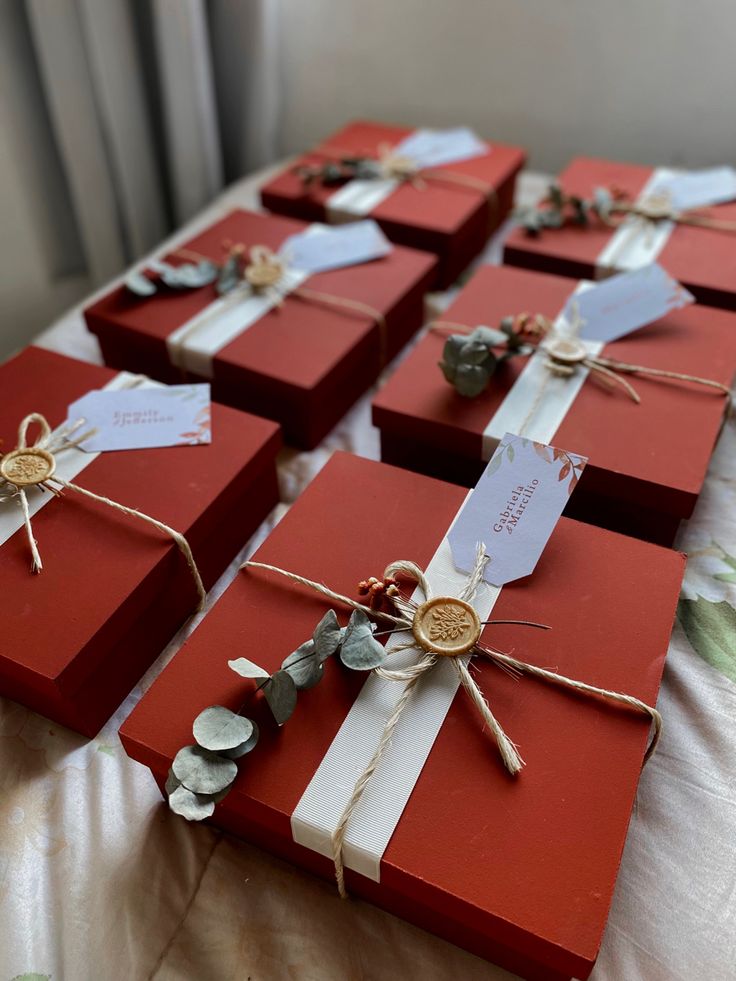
143, 418
514, 508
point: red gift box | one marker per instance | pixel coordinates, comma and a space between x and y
452, 221
520, 871
113, 590
702, 259
304, 363
647, 462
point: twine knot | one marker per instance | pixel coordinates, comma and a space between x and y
34, 466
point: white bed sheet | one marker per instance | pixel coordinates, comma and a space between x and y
99, 882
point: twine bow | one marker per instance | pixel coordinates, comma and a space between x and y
34, 465
441, 627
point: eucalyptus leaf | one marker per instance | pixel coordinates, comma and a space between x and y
229, 277
140, 284
247, 669
193, 807
172, 783
218, 728
189, 275
304, 666
202, 771
281, 696
452, 351
327, 636
246, 747
471, 380
489, 336
360, 649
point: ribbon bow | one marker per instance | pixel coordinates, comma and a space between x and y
441, 627
34, 465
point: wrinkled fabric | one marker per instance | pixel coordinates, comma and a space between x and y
100, 882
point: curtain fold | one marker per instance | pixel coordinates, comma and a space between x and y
153, 104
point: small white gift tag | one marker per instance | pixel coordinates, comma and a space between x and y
437, 147
322, 248
514, 508
143, 418
699, 188
624, 303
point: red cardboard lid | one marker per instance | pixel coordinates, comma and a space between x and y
296, 344
697, 257
656, 452
99, 566
530, 862
437, 208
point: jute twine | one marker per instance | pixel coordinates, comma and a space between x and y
565, 351
264, 275
34, 465
405, 621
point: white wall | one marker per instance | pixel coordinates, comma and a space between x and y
651, 81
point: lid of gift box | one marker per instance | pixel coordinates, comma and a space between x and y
702, 259
529, 862
296, 344
102, 569
655, 452
434, 208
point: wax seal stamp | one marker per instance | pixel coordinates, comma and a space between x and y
566, 350
264, 270
447, 626
27, 466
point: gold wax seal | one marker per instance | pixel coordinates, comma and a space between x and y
263, 274
447, 626
566, 350
24, 467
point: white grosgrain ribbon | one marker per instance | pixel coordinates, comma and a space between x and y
68, 466
193, 346
538, 401
379, 810
638, 242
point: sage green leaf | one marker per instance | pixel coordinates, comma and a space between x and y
229, 277
247, 669
140, 284
488, 336
471, 380
327, 636
360, 649
202, 771
190, 275
711, 629
217, 728
243, 748
281, 696
303, 666
172, 783
452, 348
725, 576
193, 807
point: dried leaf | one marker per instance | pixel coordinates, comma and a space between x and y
360, 650
281, 696
246, 747
193, 807
564, 471
304, 666
140, 284
202, 771
327, 636
218, 728
247, 669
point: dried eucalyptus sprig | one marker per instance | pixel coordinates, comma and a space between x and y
228, 274
333, 172
203, 773
558, 209
470, 360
